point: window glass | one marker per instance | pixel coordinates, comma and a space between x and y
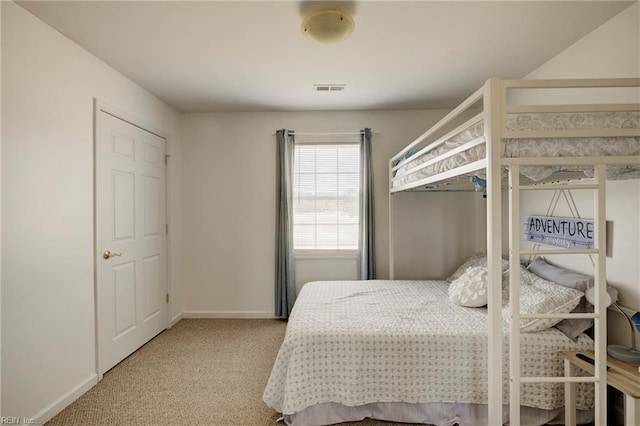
326, 194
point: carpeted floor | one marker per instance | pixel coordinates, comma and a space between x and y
200, 372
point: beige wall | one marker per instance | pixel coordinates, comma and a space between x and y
229, 208
613, 50
48, 316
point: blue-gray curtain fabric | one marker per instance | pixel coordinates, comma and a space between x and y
366, 243
285, 281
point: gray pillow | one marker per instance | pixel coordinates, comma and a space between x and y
559, 275
572, 279
575, 327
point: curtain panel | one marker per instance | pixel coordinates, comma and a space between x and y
366, 243
285, 282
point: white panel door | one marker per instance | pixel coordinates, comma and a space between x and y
131, 240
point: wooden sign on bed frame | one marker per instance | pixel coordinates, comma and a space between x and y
560, 231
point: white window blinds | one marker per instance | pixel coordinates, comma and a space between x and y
326, 194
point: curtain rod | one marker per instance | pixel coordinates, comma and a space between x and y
329, 133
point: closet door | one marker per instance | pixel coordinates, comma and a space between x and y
131, 238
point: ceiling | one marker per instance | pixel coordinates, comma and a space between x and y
251, 56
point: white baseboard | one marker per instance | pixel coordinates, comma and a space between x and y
50, 411
229, 314
176, 319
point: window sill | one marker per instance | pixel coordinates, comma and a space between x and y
326, 254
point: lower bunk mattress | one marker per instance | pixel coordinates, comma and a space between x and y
358, 345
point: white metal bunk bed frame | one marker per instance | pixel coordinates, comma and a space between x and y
495, 109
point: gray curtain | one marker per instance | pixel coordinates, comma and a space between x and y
285, 282
366, 243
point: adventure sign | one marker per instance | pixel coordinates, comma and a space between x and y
560, 231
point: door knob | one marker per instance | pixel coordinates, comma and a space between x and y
108, 255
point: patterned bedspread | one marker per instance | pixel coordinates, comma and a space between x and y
357, 342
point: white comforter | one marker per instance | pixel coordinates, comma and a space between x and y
357, 342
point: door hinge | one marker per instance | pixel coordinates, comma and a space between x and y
167, 297
166, 159
166, 228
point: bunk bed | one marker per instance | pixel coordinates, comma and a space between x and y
544, 141
506, 144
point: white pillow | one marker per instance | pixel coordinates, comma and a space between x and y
478, 259
539, 296
470, 288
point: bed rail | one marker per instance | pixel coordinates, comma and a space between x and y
509, 90
465, 105
433, 145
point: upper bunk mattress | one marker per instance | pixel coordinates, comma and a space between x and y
539, 147
359, 342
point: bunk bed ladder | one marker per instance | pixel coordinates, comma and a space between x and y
599, 316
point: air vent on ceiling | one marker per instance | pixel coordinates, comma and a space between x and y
329, 87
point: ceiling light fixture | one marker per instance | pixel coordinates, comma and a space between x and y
328, 26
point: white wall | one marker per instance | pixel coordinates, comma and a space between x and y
612, 50
609, 51
317, 269
48, 86
229, 208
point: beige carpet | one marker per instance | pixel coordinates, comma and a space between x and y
200, 372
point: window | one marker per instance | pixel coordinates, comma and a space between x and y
326, 196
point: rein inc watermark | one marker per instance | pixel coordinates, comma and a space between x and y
560, 231
14, 420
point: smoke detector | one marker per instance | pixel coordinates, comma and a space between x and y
328, 26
